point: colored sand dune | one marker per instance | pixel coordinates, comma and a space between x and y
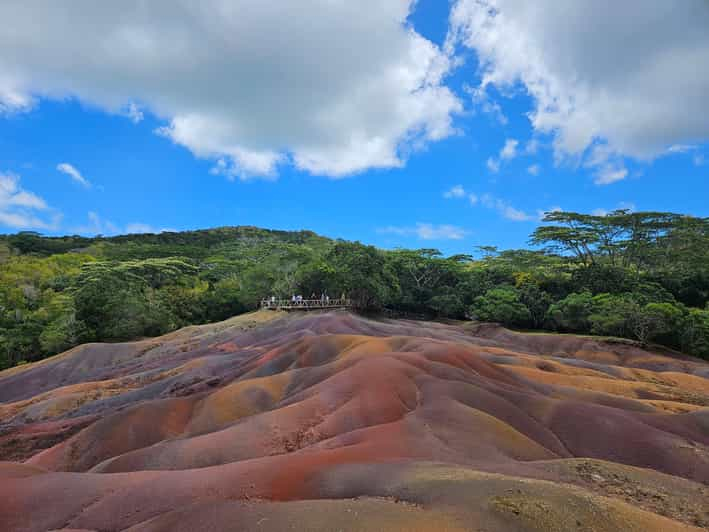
337, 422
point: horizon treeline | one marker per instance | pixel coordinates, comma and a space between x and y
637, 275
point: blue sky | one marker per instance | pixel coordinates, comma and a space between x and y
80, 160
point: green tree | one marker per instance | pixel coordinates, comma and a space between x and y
362, 273
536, 300
572, 313
501, 305
613, 314
694, 333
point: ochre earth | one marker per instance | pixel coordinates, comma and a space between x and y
333, 421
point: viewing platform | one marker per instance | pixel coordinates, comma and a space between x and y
305, 304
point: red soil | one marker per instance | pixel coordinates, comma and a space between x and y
333, 421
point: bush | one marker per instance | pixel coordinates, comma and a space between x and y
694, 333
447, 306
612, 314
501, 305
572, 313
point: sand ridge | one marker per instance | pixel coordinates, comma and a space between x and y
329, 421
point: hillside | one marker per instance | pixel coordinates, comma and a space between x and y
641, 276
332, 421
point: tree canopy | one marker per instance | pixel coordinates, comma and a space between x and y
641, 275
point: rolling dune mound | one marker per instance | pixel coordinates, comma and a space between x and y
333, 421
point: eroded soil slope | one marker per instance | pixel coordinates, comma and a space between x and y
337, 422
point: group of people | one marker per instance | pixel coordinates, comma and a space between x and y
324, 298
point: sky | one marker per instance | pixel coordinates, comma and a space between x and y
433, 124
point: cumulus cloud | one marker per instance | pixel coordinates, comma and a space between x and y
21, 209
533, 169
427, 231
75, 175
631, 75
333, 88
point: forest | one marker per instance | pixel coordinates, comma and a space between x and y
642, 276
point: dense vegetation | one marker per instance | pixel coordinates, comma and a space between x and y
642, 275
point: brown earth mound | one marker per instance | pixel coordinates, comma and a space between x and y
337, 422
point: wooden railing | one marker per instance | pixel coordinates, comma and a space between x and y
304, 304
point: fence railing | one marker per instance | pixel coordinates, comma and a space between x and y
304, 304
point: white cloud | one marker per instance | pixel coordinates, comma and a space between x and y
504, 208
440, 232
532, 147
97, 225
12, 101
610, 174
698, 158
493, 165
427, 231
681, 148
332, 87
21, 209
621, 206
75, 175
509, 150
488, 106
488, 201
608, 166
454, 192
533, 169
138, 227
458, 192
542, 213
631, 75
509, 212
134, 113
507, 153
